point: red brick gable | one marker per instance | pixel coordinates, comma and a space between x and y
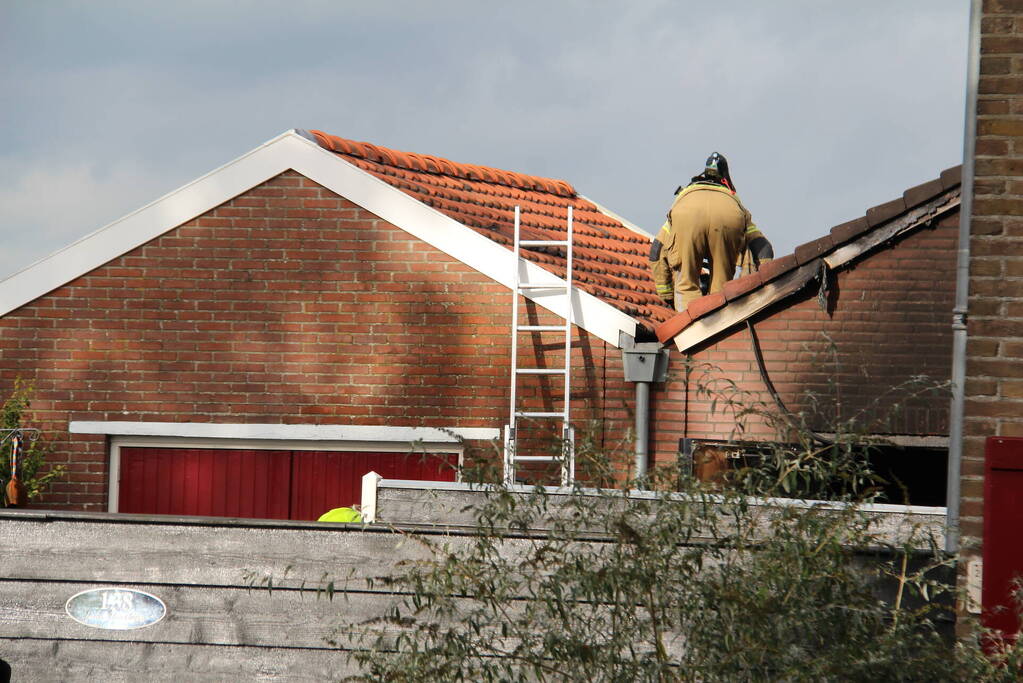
286, 305
610, 259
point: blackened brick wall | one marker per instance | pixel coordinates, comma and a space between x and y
889, 322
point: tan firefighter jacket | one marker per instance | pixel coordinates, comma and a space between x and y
705, 221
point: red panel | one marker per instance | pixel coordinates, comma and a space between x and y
260, 484
323, 480
205, 482
1003, 519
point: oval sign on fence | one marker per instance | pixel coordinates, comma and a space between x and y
115, 609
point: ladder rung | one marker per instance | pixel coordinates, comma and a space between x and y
540, 371
564, 286
541, 328
543, 243
535, 458
528, 414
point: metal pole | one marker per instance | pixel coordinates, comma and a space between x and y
642, 428
959, 334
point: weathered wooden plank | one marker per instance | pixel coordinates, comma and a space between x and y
216, 629
212, 556
189, 554
198, 615
894, 524
43, 661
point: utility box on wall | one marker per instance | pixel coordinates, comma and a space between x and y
1003, 519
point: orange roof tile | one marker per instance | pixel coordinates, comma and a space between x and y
610, 259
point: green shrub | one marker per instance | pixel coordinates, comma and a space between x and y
32, 469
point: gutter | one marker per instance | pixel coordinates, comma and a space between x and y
643, 363
959, 312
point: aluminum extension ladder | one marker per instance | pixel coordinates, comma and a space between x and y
567, 456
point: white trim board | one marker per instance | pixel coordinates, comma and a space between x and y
280, 432
293, 151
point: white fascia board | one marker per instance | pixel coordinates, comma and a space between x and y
142, 225
292, 151
455, 239
279, 432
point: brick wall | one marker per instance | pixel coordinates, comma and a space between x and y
287, 304
994, 365
890, 321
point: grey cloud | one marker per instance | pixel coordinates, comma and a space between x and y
824, 108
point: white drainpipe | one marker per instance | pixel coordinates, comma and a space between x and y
955, 433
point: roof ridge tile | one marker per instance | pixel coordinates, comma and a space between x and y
734, 289
809, 251
951, 177
922, 192
667, 330
777, 267
440, 165
849, 230
709, 303
884, 212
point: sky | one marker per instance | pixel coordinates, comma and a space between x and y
823, 108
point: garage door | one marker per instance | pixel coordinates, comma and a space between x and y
258, 483
1003, 519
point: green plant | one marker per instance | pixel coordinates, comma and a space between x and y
681, 581
33, 471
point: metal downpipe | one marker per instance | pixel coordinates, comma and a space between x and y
959, 336
643, 363
642, 428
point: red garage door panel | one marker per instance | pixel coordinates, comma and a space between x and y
1003, 519
208, 482
323, 480
260, 484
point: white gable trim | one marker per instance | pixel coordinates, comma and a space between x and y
292, 151
142, 225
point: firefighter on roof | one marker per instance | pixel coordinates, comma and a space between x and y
706, 221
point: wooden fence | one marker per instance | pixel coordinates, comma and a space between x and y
222, 622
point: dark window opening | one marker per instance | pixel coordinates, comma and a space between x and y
907, 475
914, 476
